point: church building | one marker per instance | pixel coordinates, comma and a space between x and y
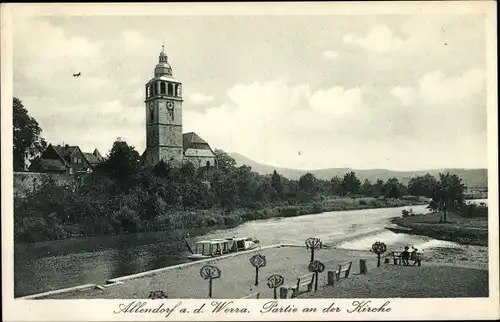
164, 138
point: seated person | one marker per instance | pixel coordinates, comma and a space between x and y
405, 255
414, 256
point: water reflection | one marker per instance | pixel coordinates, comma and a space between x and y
51, 265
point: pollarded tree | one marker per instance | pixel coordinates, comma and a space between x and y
448, 195
27, 141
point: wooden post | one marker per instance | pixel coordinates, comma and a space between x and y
362, 266
283, 292
331, 278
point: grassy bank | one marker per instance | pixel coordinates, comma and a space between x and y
204, 218
460, 229
175, 219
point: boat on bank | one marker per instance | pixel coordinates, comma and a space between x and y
399, 229
204, 249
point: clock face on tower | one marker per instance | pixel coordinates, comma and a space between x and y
170, 105
151, 106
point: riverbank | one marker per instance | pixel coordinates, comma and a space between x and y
237, 275
215, 218
459, 272
393, 281
459, 229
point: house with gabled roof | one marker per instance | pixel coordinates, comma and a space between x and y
66, 159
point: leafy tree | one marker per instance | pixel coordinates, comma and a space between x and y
162, 169
224, 187
122, 162
224, 161
393, 189
448, 195
422, 185
378, 188
351, 184
367, 188
187, 170
336, 186
308, 184
276, 183
27, 140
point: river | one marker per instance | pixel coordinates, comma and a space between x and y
44, 266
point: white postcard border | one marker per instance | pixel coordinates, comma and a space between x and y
102, 310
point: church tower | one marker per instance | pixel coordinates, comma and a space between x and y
163, 115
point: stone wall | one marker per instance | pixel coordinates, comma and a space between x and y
26, 182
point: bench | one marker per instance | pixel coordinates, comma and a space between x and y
343, 268
252, 296
397, 260
305, 280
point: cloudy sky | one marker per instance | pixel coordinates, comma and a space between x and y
396, 92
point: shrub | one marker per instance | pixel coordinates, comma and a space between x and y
126, 220
474, 210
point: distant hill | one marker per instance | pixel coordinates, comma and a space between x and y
471, 177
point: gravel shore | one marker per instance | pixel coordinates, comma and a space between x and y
445, 272
237, 278
390, 281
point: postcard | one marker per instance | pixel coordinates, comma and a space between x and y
249, 161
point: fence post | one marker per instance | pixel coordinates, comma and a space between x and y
330, 277
362, 266
283, 292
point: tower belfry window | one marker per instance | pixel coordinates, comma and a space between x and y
170, 89
163, 89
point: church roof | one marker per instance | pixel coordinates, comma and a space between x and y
192, 140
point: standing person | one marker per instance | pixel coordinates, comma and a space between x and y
405, 255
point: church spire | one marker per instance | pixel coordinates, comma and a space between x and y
163, 67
